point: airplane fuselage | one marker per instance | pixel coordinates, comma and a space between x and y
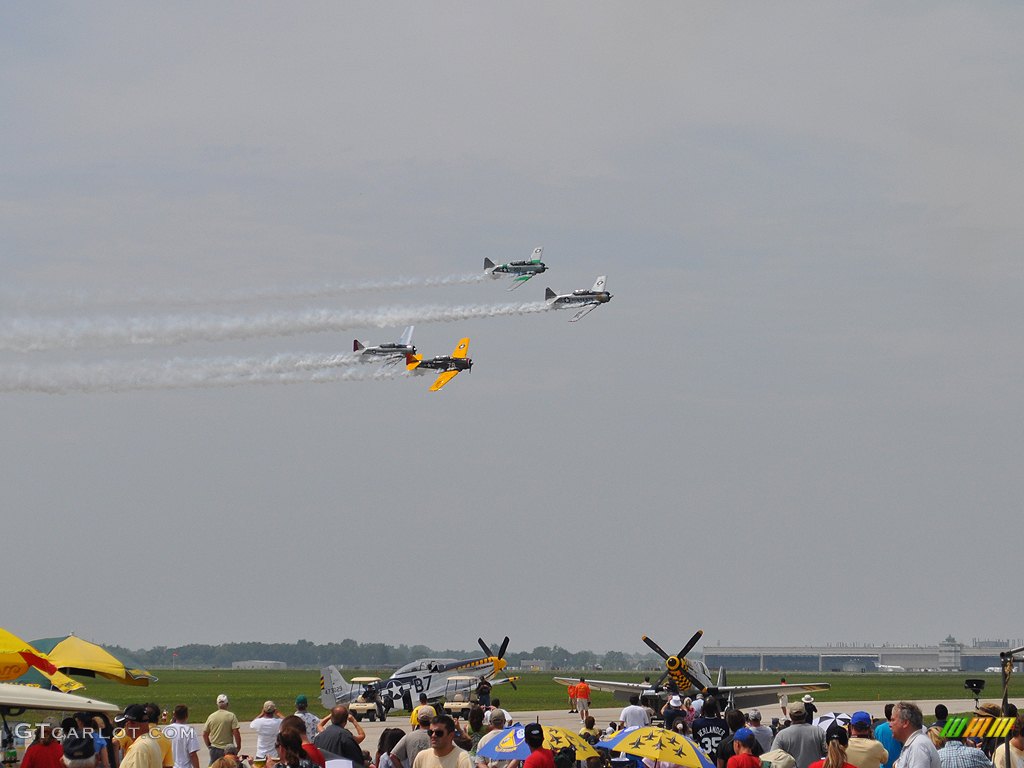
429, 676
577, 298
447, 363
389, 350
521, 268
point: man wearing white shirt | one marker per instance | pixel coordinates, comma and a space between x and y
907, 723
634, 715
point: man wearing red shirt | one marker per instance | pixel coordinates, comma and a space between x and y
743, 747
539, 757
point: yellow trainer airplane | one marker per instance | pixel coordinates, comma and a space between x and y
449, 365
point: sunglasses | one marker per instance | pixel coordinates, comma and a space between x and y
438, 734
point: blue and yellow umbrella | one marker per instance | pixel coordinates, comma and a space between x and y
510, 744
658, 744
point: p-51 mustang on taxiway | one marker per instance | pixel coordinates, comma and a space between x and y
449, 365
587, 300
690, 677
523, 270
390, 352
429, 676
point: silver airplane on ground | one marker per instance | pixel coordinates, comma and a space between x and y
429, 676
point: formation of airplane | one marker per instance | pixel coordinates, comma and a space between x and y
436, 678
523, 270
688, 677
390, 352
588, 301
449, 365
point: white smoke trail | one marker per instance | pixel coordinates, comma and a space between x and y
190, 373
28, 335
77, 299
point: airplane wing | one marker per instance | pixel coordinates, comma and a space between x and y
443, 379
519, 281
587, 309
760, 695
462, 348
610, 686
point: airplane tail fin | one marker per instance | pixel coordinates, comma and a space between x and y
488, 266
357, 346
332, 685
549, 295
412, 362
407, 335
537, 253
599, 283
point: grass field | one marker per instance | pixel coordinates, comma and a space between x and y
248, 689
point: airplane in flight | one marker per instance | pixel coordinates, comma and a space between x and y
430, 676
449, 365
390, 353
587, 300
523, 270
688, 677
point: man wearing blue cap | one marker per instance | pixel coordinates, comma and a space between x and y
864, 751
743, 743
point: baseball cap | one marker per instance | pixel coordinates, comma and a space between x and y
797, 708
533, 733
134, 712
222, 699
78, 747
269, 707
301, 700
744, 736
860, 719
837, 733
497, 717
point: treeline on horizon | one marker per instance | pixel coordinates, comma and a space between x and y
350, 653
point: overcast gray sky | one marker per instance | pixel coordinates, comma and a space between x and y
798, 420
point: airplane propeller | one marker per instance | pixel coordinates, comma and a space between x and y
676, 665
501, 651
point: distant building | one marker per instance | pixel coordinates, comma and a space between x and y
259, 664
947, 656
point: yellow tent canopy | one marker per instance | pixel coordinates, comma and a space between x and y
17, 657
76, 656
